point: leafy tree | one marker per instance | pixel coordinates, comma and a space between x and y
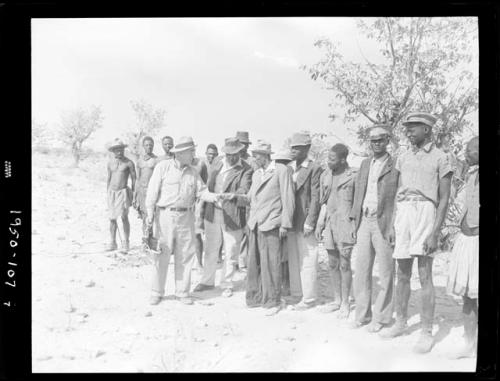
425, 65
77, 126
148, 122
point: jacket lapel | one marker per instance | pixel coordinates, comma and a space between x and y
344, 177
387, 167
302, 176
232, 174
215, 169
264, 179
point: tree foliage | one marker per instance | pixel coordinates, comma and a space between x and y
77, 126
425, 65
149, 121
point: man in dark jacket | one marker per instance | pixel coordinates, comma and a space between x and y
373, 208
224, 220
301, 243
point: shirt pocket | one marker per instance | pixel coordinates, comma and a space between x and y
346, 192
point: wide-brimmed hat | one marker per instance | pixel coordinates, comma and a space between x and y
283, 155
232, 146
242, 136
262, 147
378, 131
116, 143
300, 139
420, 117
184, 143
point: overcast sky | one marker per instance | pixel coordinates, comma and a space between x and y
213, 76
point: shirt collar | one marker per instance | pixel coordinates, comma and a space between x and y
226, 166
304, 164
427, 147
270, 167
380, 159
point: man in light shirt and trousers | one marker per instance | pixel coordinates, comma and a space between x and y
174, 188
373, 209
421, 206
224, 220
302, 245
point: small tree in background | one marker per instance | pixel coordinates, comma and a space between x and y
424, 67
77, 126
39, 135
149, 121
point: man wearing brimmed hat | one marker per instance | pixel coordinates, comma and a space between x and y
119, 196
272, 203
224, 220
174, 188
421, 204
301, 243
373, 208
243, 138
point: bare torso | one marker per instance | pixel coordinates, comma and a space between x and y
145, 167
119, 171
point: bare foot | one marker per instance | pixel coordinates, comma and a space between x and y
344, 311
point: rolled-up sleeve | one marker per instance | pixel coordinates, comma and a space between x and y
444, 166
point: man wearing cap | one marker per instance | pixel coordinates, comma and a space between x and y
336, 196
120, 196
272, 202
145, 166
174, 188
421, 204
224, 220
301, 242
373, 207
244, 139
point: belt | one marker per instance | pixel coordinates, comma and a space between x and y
176, 209
415, 198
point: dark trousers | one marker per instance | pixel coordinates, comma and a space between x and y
371, 244
264, 269
403, 290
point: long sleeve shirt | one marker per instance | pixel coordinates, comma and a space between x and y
173, 186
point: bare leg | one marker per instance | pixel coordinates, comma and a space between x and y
346, 275
334, 264
113, 227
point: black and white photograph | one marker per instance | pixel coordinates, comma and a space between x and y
254, 194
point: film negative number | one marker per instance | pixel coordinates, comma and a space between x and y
13, 243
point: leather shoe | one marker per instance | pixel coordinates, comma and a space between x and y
424, 343
154, 300
396, 330
203, 287
374, 327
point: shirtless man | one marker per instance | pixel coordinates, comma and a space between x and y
167, 143
119, 194
145, 166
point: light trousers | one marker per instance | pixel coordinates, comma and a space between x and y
303, 265
177, 237
217, 235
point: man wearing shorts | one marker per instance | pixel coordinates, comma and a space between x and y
336, 197
421, 204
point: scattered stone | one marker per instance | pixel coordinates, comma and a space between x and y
91, 283
44, 358
216, 344
293, 326
61, 238
70, 309
84, 314
293, 349
99, 353
225, 333
198, 339
68, 357
325, 341
148, 314
123, 350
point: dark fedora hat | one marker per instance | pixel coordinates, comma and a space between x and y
232, 146
242, 136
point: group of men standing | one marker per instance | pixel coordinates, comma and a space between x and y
268, 212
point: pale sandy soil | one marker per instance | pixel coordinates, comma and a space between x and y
91, 311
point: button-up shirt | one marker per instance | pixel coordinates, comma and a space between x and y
296, 170
371, 197
421, 169
173, 186
271, 167
220, 179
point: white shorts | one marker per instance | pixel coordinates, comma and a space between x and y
413, 224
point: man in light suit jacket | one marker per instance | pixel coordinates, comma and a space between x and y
272, 203
373, 209
224, 220
301, 243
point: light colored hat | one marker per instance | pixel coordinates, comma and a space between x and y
232, 146
378, 131
420, 117
242, 136
283, 155
116, 143
300, 139
263, 147
185, 143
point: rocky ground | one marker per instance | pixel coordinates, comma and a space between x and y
91, 311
